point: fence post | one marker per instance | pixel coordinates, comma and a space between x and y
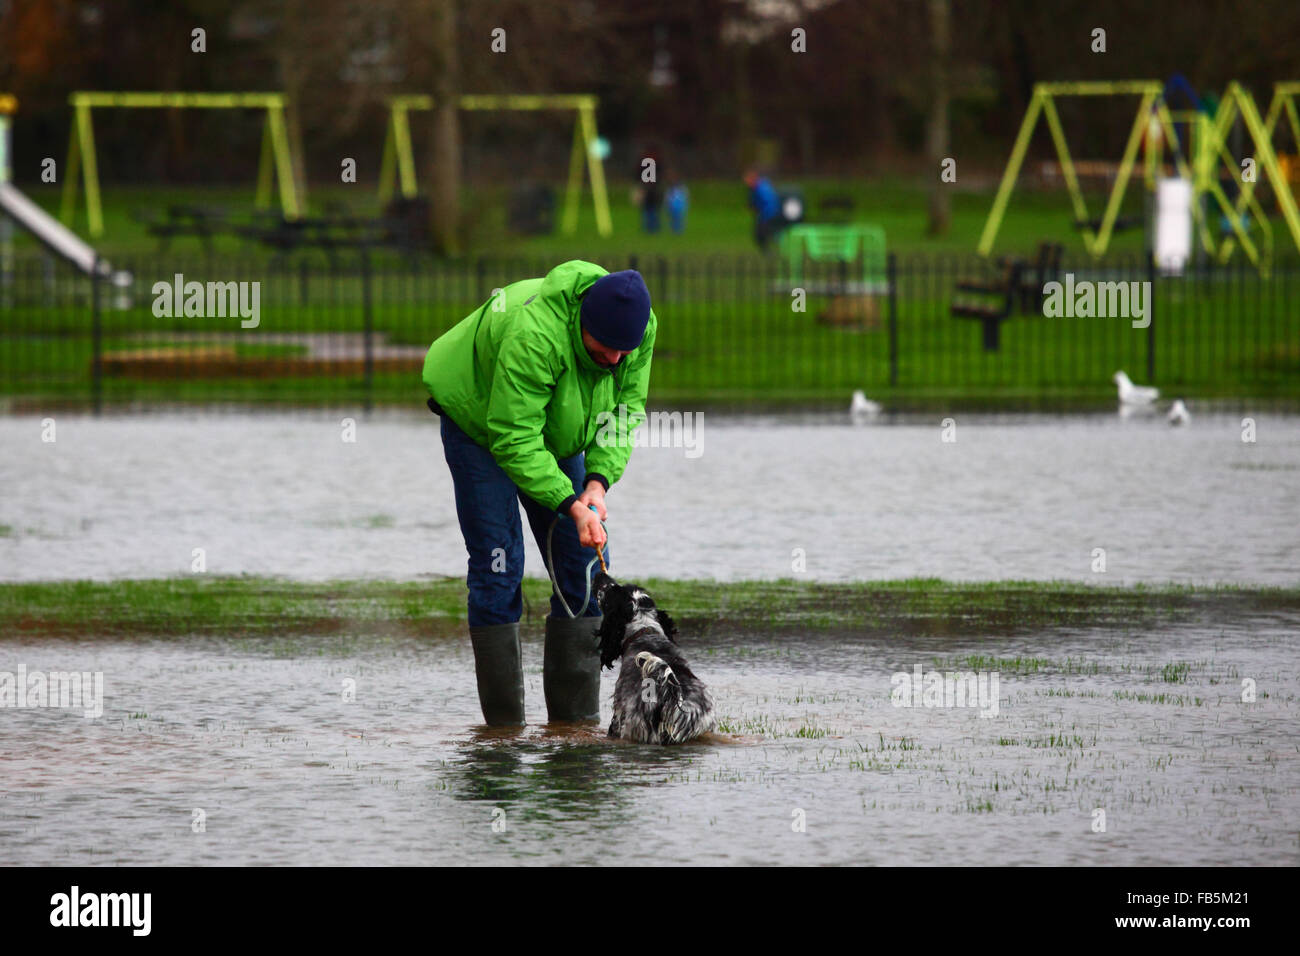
368, 319
1151, 320
891, 279
97, 340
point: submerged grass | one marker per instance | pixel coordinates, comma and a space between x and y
271, 606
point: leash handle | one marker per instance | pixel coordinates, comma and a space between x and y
599, 553
550, 570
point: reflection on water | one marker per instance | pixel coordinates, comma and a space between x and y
1025, 497
1149, 726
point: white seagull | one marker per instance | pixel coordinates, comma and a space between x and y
861, 405
1130, 394
1178, 413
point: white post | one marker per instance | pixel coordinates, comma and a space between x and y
1173, 245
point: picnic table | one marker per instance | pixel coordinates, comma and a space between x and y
404, 225
202, 222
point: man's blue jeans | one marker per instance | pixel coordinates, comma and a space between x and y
487, 505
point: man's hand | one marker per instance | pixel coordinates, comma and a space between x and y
594, 495
590, 533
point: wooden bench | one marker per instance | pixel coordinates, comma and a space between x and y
1045, 267
991, 314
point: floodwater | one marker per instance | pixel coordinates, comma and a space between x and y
1033, 497
1170, 744
1107, 747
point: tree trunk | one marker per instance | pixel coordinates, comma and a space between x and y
292, 70
444, 171
936, 146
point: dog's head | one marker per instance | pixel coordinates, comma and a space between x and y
623, 606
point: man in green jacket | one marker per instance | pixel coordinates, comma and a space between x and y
529, 388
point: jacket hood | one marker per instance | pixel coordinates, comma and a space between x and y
566, 284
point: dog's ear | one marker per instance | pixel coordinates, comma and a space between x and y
668, 624
617, 606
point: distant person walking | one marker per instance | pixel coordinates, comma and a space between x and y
529, 387
766, 204
652, 197
678, 201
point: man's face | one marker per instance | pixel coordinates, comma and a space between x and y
602, 355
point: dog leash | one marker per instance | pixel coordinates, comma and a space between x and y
550, 569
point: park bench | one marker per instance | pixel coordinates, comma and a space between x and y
1045, 269
1033, 276
1000, 305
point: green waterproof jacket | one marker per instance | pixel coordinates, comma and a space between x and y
516, 378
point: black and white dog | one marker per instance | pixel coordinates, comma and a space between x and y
657, 700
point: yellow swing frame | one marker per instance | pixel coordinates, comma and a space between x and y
275, 162
1042, 103
399, 159
1210, 147
1283, 101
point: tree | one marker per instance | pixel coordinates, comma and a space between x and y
444, 171
936, 140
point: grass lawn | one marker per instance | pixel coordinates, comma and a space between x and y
1214, 340
718, 222
727, 333
177, 607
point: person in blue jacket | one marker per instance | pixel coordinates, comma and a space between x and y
767, 208
678, 202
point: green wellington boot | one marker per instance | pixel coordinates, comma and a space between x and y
500, 673
571, 668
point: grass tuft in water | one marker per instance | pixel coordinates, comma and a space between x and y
260, 606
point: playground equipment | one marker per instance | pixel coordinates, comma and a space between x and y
274, 163
1202, 147
857, 249
1208, 148
1196, 158
1283, 101
399, 157
836, 242
1043, 103
17, 208
1284, 95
